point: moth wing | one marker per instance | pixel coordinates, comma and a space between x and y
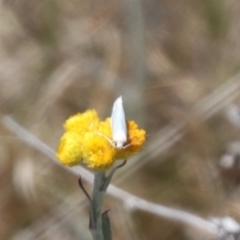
118, 122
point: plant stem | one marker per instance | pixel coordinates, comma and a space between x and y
96, 207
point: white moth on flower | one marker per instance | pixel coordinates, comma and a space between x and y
118, 124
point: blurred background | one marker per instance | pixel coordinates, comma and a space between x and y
176, 64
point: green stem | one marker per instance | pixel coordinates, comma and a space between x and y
106, 226
96, 207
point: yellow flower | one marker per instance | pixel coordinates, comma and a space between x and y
136, 140
83, 122
89, 141
105, 128
99, 154
70, 149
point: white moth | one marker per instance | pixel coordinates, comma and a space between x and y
118, 124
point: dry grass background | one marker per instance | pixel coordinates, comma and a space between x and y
167, 59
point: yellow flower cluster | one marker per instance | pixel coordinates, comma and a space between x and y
87, 140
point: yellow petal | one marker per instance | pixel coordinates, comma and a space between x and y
99, 154
82, 122
70, 149
136, 140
